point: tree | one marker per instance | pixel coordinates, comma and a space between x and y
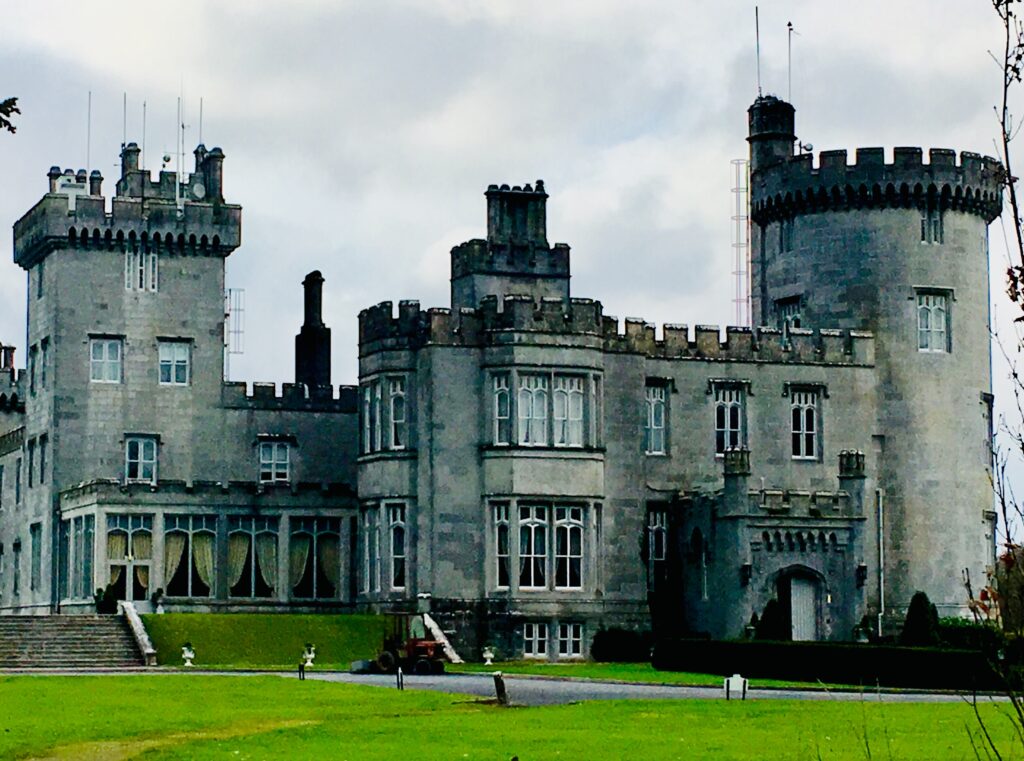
8, 108
921, 628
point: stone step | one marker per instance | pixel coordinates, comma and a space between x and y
67, 642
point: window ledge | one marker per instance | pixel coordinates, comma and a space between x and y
518, 451
387, 454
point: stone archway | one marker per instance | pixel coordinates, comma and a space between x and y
800, 591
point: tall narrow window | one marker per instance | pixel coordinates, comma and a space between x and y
140, 459
502, 549
44, 360
568, 411
568, 547
314, 559
931, 225
189, 558
31, 446
533, 410
39, 278
17, 481
44, 442
367, 419
533, 542
502, 410
728, 418
141, 271
396, 537
654, 418
16, 570
788, 312
252, 557
371, 550
33, 356
657, 547
35, 532
786, 234
804, 415
396, 412
932, 322
570, 640
105, 356
275, 462
2, 484
377, 405
174, 363
535, 640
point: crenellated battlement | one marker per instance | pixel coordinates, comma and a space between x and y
290, 396
797, 186
479, 256
144, 214
381, 329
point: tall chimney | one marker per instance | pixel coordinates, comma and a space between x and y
313, 343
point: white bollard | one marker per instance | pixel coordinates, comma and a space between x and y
735, 684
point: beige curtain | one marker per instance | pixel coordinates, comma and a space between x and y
117, 548
142, 545
174, 548
329, 550
202, 552
142, 574
266, 554
298, 554
238, 549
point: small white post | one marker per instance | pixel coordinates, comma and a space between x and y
737, 684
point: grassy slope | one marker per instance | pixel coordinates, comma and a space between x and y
258, 640
176, 715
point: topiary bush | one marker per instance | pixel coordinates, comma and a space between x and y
921, 629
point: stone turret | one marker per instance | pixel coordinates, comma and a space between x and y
313, 343
771, 132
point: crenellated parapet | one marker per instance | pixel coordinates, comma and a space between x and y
290, 396
796, 186
188, 219
479, 256
796, 503
381, 329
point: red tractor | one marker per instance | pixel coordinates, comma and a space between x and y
408, 645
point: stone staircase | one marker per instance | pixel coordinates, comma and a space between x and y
67, 642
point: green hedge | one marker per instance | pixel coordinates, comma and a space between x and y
834, 663
261, 640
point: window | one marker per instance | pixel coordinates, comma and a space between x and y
533, 535
33, 355
535, 640
44, 360
533, 410
804, 414
932, 322
274, 462
35, 532
105, 360
174, 363
31, 462
657, 548
502, 548
1, 488
931, 225
396, 412
141, 271
377, 428
17, 481
314, 558
568, 547
788, 312
44, 441
252, 557
80, 556
502, 410
39, 279
396, 535
654, 418
190, 565
570, 640
140, 459
786, 234
371, 551
568, 411
369, 423
728, 418
16, 581
129, 554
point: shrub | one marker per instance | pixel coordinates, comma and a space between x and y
921, 629
621, 646
773, 624
970, 635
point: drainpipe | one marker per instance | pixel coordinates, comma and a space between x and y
880, 502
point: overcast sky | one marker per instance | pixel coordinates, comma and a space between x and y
360, 136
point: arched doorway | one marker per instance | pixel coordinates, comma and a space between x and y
799, 592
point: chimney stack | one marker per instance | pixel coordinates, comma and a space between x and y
313, 343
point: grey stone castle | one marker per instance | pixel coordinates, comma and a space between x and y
520, 461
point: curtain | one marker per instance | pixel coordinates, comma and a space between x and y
266, 554
202, 554
238, 549
174, 548
117, 548
298, 554
329, 550
142, 545
142, 574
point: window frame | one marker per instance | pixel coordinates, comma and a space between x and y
270, 471
141, 270
190, 525
544, 408
174, 347
254, 527
500, 512
105, 362
535, 639
655, 435
398, 427
928, 301
570, 640
141, 440
727, 397
396, 514
805, 399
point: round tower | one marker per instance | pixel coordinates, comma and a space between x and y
900, 249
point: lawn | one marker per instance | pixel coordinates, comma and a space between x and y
177, 715
260, 640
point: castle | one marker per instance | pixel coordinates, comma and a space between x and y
519, 462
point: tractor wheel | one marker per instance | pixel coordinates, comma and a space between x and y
437, 666
422, 667
387, 662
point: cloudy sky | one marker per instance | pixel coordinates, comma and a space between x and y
360, 136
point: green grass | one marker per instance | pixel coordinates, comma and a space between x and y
242, 640
175, 715
618, 672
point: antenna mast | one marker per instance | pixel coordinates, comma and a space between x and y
757, 42
200, 121
124, 120
88, 134
142, 163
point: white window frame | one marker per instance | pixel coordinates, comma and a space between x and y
570, 640
189, 526
933, 322
568, 549
535, 639
805, 424
106, 360
655, 418
931, 225
367, 418
176, 358
371, 550
789, 312
141, 271
533, 533
567, 410
502, 546
145, 456
397, 527
729, 417
532, 403
397, 413
275, 462
502, 409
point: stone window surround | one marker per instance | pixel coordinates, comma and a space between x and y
591, 402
